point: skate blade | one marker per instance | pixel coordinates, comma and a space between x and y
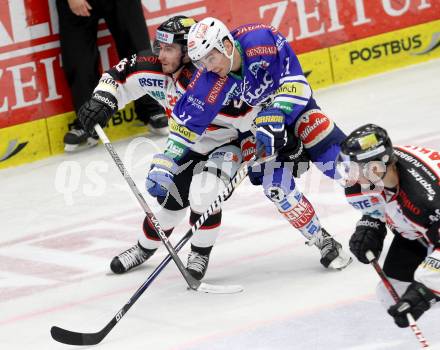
219, 289
159, 131
340, 263
78, 148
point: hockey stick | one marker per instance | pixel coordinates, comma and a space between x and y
412, 322
190, 280
76, 338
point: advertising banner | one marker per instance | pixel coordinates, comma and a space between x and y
386, 52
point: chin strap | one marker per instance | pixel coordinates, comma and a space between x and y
231, 57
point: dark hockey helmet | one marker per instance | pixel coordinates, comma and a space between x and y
368, 143
173, 30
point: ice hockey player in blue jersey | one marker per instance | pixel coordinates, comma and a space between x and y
255, 64
207, 168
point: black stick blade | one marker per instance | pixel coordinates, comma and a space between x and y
74, 338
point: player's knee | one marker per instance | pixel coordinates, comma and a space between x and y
284, 196
213, 221
204, 189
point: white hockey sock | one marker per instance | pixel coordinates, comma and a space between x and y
168, 219
207, 234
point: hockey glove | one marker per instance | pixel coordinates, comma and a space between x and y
294, 155
160, 178
271, 132
416, 300
98, 110
369, 235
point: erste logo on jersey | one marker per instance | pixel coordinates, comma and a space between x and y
313, 126
144, 82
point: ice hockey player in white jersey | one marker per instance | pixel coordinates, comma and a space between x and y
396, 187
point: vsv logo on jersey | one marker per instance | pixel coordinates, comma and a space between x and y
254, 95
256, 66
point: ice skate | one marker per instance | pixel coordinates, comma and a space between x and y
159, 124
197, 264
332, 254
77, 139
130, 258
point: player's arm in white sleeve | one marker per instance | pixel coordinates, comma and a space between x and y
424, 292
133, 78
126, 81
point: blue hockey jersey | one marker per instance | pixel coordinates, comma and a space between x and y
270, 75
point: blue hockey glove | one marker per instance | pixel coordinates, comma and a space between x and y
160, 178
271, 132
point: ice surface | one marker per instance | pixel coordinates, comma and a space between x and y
56, 245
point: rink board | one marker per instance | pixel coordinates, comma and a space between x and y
317, 68
28, 142
24, 143
385, 52
123, 123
